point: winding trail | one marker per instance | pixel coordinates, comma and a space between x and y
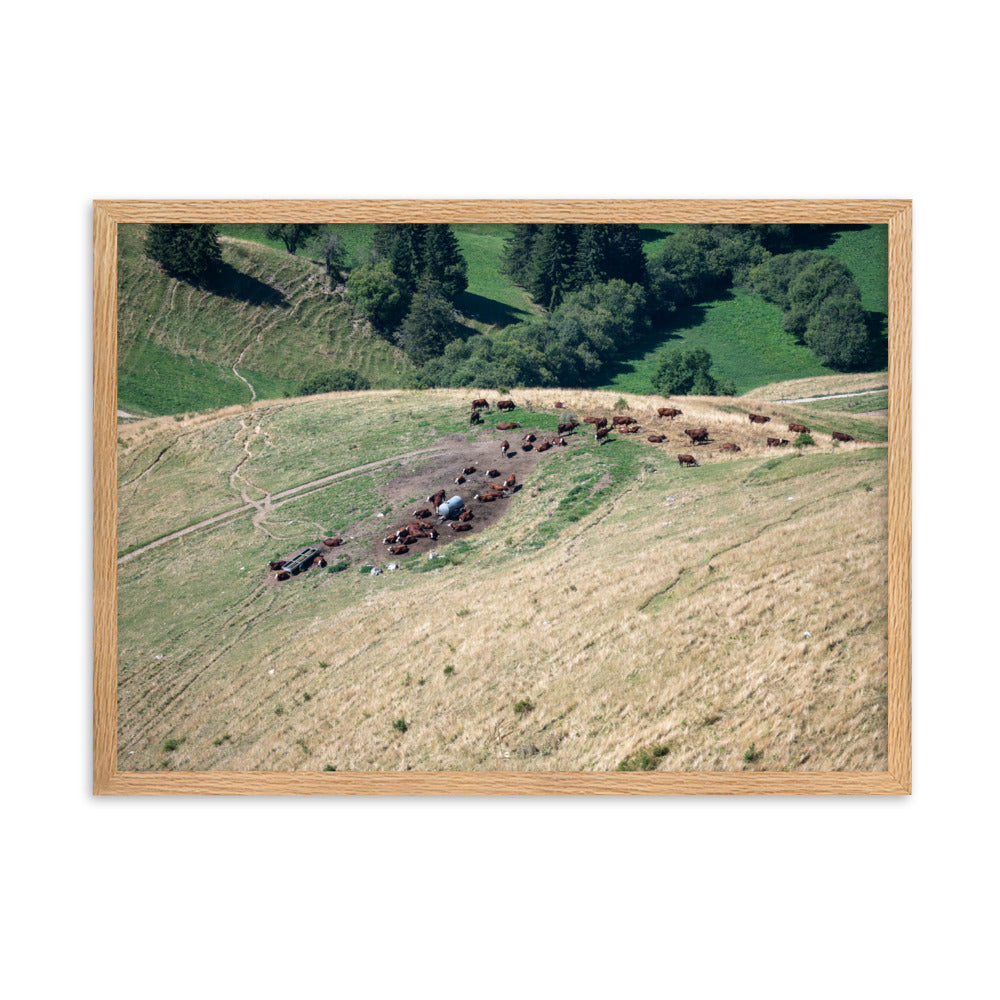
271, 502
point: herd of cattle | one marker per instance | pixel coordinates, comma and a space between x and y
457, 516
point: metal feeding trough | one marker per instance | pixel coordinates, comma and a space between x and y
451, 508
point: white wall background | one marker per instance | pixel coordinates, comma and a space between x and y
455, 898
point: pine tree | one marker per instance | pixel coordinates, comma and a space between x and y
189, 252
444, 262
429, 323
518, 253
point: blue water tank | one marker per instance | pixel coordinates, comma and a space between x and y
452, 507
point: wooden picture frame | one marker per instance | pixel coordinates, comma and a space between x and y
110, 779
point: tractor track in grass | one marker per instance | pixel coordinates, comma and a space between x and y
272, 501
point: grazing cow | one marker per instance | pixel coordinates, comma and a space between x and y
697, 434
277, 564
543, 446
468, 470
504, 445
840, 436
480, 404
601, 422
284, 576
560, 406
510, 481
436, 499
729, 446
776, 442
461, 527
466, 515
333, 542
505, 404
566, 428
798, 428
423, 512
656, 439
493, 473
459, 480
686, 460
475, 418
399, 550
601, 434
758, 418
507, 427
590, 420
669, 411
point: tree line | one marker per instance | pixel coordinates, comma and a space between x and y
600, 293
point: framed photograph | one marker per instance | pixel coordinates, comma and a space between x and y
502, 497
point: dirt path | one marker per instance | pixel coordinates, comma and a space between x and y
272, 501
239, 361
835, 395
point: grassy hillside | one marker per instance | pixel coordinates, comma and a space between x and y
622, 610
742, 332
272, 316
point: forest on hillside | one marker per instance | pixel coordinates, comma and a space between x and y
598, 292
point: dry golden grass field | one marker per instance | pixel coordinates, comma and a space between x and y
619, 610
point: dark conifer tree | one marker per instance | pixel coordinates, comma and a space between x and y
443, 260
518, 252
189, 252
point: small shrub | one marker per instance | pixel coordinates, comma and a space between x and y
171, 745
323, 664
330, 767
620, 404
449, 670
523, 706
751, 754
222, 739
711, 720
339, 567
306, 696
366, 569
462, 612
302, 745
803, 441
400, 725
647, 759
278, 709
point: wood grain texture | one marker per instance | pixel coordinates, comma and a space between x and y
897, 214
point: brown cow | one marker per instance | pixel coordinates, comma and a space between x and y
669, 411
757, 418
840, 436
504, 445
600, 434
468, 470
485, 497
466, 515
322, 563
511, 480
543, 446
697, 434
798, 428
423, 512
529, 438
623, 421
729, 446
459, 480
333, 542
399, 550
776, 442
566, 428
686, 460
284, 576
460, 527
559, 406
559, 441
475, 418
505, 404
656, 439
480, 404
629, 429
507, 427
493, 473
437, 498
601, 422
527, 446
277, 564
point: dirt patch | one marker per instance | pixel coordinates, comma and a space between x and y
408, 492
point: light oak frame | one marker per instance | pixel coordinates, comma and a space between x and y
109, 780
